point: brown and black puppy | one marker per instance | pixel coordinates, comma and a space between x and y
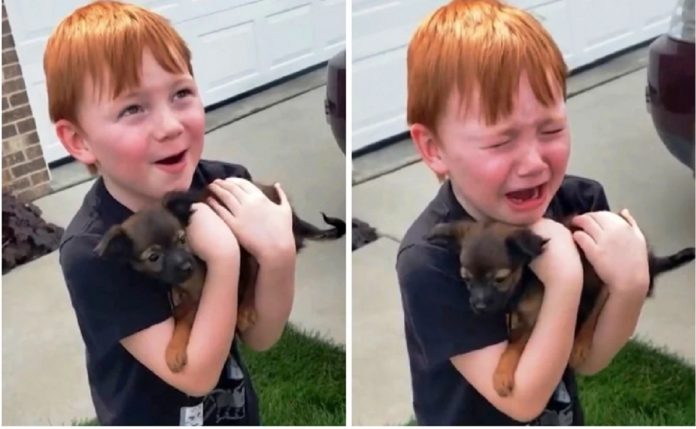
153, 241
494, 260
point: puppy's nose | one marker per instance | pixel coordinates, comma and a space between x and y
186, 267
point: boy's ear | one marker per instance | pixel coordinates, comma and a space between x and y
115, 244
74, 142
179, 204
429, 149
524, 245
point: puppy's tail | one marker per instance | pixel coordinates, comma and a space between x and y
304, 229
661, 264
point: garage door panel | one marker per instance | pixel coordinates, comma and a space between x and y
377, 79
331, 24
226, 56
290, 35
606, 26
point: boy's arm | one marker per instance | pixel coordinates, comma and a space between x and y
211, 334
545, 355
541, 365
616, 248
275, 287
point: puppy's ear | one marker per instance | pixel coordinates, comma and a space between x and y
115, 244
524, 245
453, 230
179, 204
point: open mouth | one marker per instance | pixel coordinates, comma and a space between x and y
174, 159
526, 196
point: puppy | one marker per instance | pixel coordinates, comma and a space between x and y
494, 260
153, 241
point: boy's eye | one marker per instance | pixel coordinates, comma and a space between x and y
497, 145
130, 110
552, 132
183, 93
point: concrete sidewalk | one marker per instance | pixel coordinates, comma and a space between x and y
44, 377
614, 142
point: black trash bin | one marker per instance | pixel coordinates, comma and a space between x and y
335, 102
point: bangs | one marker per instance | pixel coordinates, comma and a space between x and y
103, 43
480, 49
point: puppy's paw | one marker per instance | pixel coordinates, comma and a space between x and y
176, 358
581, 349
503, 382
246, 318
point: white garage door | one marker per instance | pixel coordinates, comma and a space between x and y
237, 45
585, 31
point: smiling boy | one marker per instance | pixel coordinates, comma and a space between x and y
124, 102
486, 108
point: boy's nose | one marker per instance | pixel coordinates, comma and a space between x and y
531, 163
167, 125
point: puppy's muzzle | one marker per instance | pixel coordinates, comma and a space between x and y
484, 298
179, 266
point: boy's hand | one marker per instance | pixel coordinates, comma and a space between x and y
616, 248
261, 226
208, 236
560, 261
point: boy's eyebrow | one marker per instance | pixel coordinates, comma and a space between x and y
511, 130
138, 92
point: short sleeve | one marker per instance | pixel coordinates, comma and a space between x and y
111, 301
436, 305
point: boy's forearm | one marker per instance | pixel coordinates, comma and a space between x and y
214, 326
615, 325
274, 294
546, 354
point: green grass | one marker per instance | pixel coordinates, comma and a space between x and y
642, 386
300, 381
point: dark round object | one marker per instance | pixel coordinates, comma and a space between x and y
335, 102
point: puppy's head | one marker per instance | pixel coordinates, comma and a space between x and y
153, 242
492, 257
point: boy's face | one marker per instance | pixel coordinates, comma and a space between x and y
508, 171
147, 141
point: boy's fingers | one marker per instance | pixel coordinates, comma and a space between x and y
283, 198
243, 184
588, 224
585, 241
221, 211
629, 218
228, 193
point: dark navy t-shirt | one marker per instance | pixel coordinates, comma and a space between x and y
440, 324
113, 301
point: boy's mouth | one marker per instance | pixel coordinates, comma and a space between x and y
171, 160
526, 198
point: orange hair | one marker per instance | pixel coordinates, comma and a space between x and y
103, 42
479, 47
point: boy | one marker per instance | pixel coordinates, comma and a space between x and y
122, 96
486, 109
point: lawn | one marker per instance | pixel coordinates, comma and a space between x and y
300, 381
643, 386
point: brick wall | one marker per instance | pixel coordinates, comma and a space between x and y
24, 170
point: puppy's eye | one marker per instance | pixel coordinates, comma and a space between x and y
181, 237
153, 257
501, 274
